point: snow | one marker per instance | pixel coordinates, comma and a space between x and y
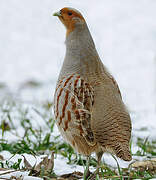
22, 175
32, 48
59, 160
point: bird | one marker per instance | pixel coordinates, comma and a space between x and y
88, 107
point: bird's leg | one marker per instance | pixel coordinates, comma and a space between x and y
87, 172
99, 156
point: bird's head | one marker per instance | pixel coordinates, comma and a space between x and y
71, 18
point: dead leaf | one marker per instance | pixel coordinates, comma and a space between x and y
50, 165
5, 126
145, 165
73, 176
16, 178
42, 164
1, 158
3, 169
45, 167
46, 164
27, 164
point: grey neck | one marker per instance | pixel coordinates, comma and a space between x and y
81, 55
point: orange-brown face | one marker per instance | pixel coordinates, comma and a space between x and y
69, 17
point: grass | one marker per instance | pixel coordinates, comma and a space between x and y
32, 127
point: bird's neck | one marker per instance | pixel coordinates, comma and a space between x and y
81, 55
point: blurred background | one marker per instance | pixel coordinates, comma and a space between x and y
32, 50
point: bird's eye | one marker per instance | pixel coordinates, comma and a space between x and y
70, 13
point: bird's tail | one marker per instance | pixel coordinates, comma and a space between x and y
122, 151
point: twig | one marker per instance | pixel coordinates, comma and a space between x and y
8, 172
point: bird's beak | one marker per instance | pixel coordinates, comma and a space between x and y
57, 14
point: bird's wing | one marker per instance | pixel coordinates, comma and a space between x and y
111, 80
79, 103
110, 122
115, 84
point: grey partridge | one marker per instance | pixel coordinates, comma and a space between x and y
88, 106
